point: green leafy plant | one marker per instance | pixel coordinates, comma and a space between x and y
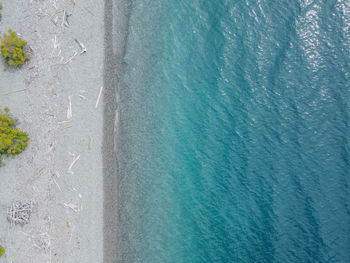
12, 140
12, 50
0, 9
2, 251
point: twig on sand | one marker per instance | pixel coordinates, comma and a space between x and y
15, 91
73, 163
98, 98
70, 59
81, 45
69, 111
71, 206
55, 43
66, 127
56, 47
71, 234
65, 19
57, 184
61, 122
82, 97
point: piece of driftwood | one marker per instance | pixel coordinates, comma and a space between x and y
69, 110
66, 127
65, 19
75, 159
19, 212
71, 206
98, 98
81, 45
71, 58
15, 91
82, 97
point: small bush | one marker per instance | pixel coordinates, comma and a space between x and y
0, 9
12, 141
12, 50
2, 251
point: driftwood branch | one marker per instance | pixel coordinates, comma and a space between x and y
69, 110
81, 45
98, 98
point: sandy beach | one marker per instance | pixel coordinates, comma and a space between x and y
61, 101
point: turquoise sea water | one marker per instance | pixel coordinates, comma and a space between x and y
233, 138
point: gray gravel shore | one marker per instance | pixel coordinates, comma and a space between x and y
63, 171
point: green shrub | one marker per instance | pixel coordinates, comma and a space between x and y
12, 50
12, 141
2, 251
0, 9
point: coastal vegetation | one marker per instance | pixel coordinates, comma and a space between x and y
12, 140
12, 50
0, 12
2, 251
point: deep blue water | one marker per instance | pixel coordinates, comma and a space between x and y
233, 138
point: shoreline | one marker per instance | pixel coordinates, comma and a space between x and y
109, 171
116, 19
63, 170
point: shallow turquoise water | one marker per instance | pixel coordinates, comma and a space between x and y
233, 139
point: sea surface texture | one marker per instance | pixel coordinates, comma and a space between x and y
233, 132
